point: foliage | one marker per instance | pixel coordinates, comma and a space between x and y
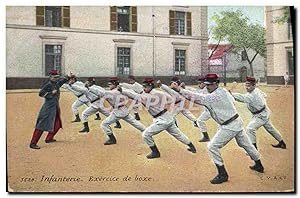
285, 17
234, 27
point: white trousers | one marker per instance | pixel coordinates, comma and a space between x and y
222, 137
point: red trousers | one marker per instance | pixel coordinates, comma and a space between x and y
38, 133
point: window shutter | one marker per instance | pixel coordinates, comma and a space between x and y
133, 19
40, 15
189, 23
113, 18
172, 21
66, 16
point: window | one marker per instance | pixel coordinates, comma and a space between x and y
290, 30
123, 19
179, 62
53, 16
244, 55
180, 23
53, 58
290, 57
123, 61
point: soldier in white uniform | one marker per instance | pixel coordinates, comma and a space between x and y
256, 103
220, 104
81, 97
179, 101
205, 115
156, 101
96, 105
120, 111
138, 88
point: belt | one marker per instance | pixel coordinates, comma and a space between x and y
178, 102
121, 106
80, 95
231, 119
95, 100
160, 113
259, 111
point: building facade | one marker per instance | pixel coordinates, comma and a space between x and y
104, 41
236, 64
279, 41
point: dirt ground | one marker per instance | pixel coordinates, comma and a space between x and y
89, 166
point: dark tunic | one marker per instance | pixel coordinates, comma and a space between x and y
50, 108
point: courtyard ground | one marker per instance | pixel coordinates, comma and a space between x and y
89, 166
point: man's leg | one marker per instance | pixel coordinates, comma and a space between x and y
275, 133
188, 114
252, 128
136, 111
221, 138
148, 134
75, 109
105, 125
135, 123
202, 126
175, 132
35, 138
57, 126
85, 118
106, 112
243, 141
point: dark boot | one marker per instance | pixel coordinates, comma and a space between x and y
254, 144
35, 138
195, 124
97, 117
154, 154
257, 166
176, 123
77, 118
221, 177
205, 137
85, 128
137, 116
191, 148
34, 146
111, 140
118, 125
281, 145
50, 141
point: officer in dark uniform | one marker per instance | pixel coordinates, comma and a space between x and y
49, 115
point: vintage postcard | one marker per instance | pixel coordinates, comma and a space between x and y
171, 99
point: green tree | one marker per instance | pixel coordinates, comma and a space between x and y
235, 28
285, 17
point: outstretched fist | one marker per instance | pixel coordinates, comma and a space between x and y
158, 83
119, 88
182, 85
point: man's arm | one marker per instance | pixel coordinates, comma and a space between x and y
46, 91
168, 90
244, 98
78, 88
126, 85
198, 98
129, 93
62, 81
97, 91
